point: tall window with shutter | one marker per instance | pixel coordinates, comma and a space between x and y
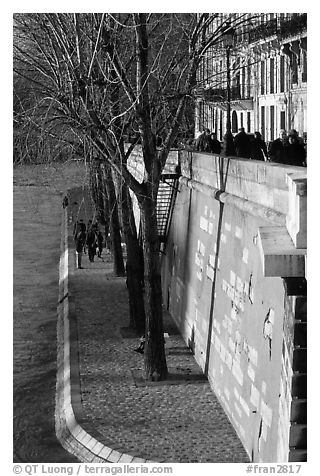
281, 74
272, 76
262, 77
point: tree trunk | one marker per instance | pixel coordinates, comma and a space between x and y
115, 223
134, 266
154, 353
101, 199
93, 181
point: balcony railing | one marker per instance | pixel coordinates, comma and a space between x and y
221, 94
265, 30
282, 27
296, 25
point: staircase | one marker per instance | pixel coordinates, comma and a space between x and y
167, 193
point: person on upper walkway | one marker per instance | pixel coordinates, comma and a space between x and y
203, 143
258, 148
215, 144
295, 153
294, 133
242, 144
277, 149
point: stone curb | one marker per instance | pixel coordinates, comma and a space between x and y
69, 413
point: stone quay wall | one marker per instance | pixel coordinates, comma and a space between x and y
233, 278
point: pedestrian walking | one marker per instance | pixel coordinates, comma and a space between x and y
295, 152
277, 149
258, 148
203, 143
100, 241
80, 240
65, 201
91, 243
215, 144
78, 226
242, 144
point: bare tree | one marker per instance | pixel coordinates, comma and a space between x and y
110, 75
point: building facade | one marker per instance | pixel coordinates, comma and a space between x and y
268, 75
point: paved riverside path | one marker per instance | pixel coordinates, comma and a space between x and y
177, 423
37, 196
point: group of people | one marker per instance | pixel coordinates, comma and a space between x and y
87, 238
287, 149
208, 142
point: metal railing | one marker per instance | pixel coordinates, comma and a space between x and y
297, 24
220, 94
281, 27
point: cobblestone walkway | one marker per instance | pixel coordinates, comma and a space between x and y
172, 423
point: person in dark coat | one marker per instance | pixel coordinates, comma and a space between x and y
65, 201
258, 148
203, 143
80, 240
78, 226
293, 132
91, 242
215, 144
277, 150
295, 153
242, 144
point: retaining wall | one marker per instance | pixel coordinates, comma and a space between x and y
233, 274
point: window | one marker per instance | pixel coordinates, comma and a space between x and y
281, 74
248, 122
216, 121
211, 119
201, 125
248, 80
282, 120
234, 122
271, 122
304, 66
243, 82
272, 76
262, 121
294, 67
262, 77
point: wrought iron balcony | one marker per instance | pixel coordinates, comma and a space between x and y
296, 25
283, 28
265, 30
220, 94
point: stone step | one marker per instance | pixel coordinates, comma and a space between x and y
299, 385
296, 455
298, 413
301, 308
299, 362
300, 334
298, 436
